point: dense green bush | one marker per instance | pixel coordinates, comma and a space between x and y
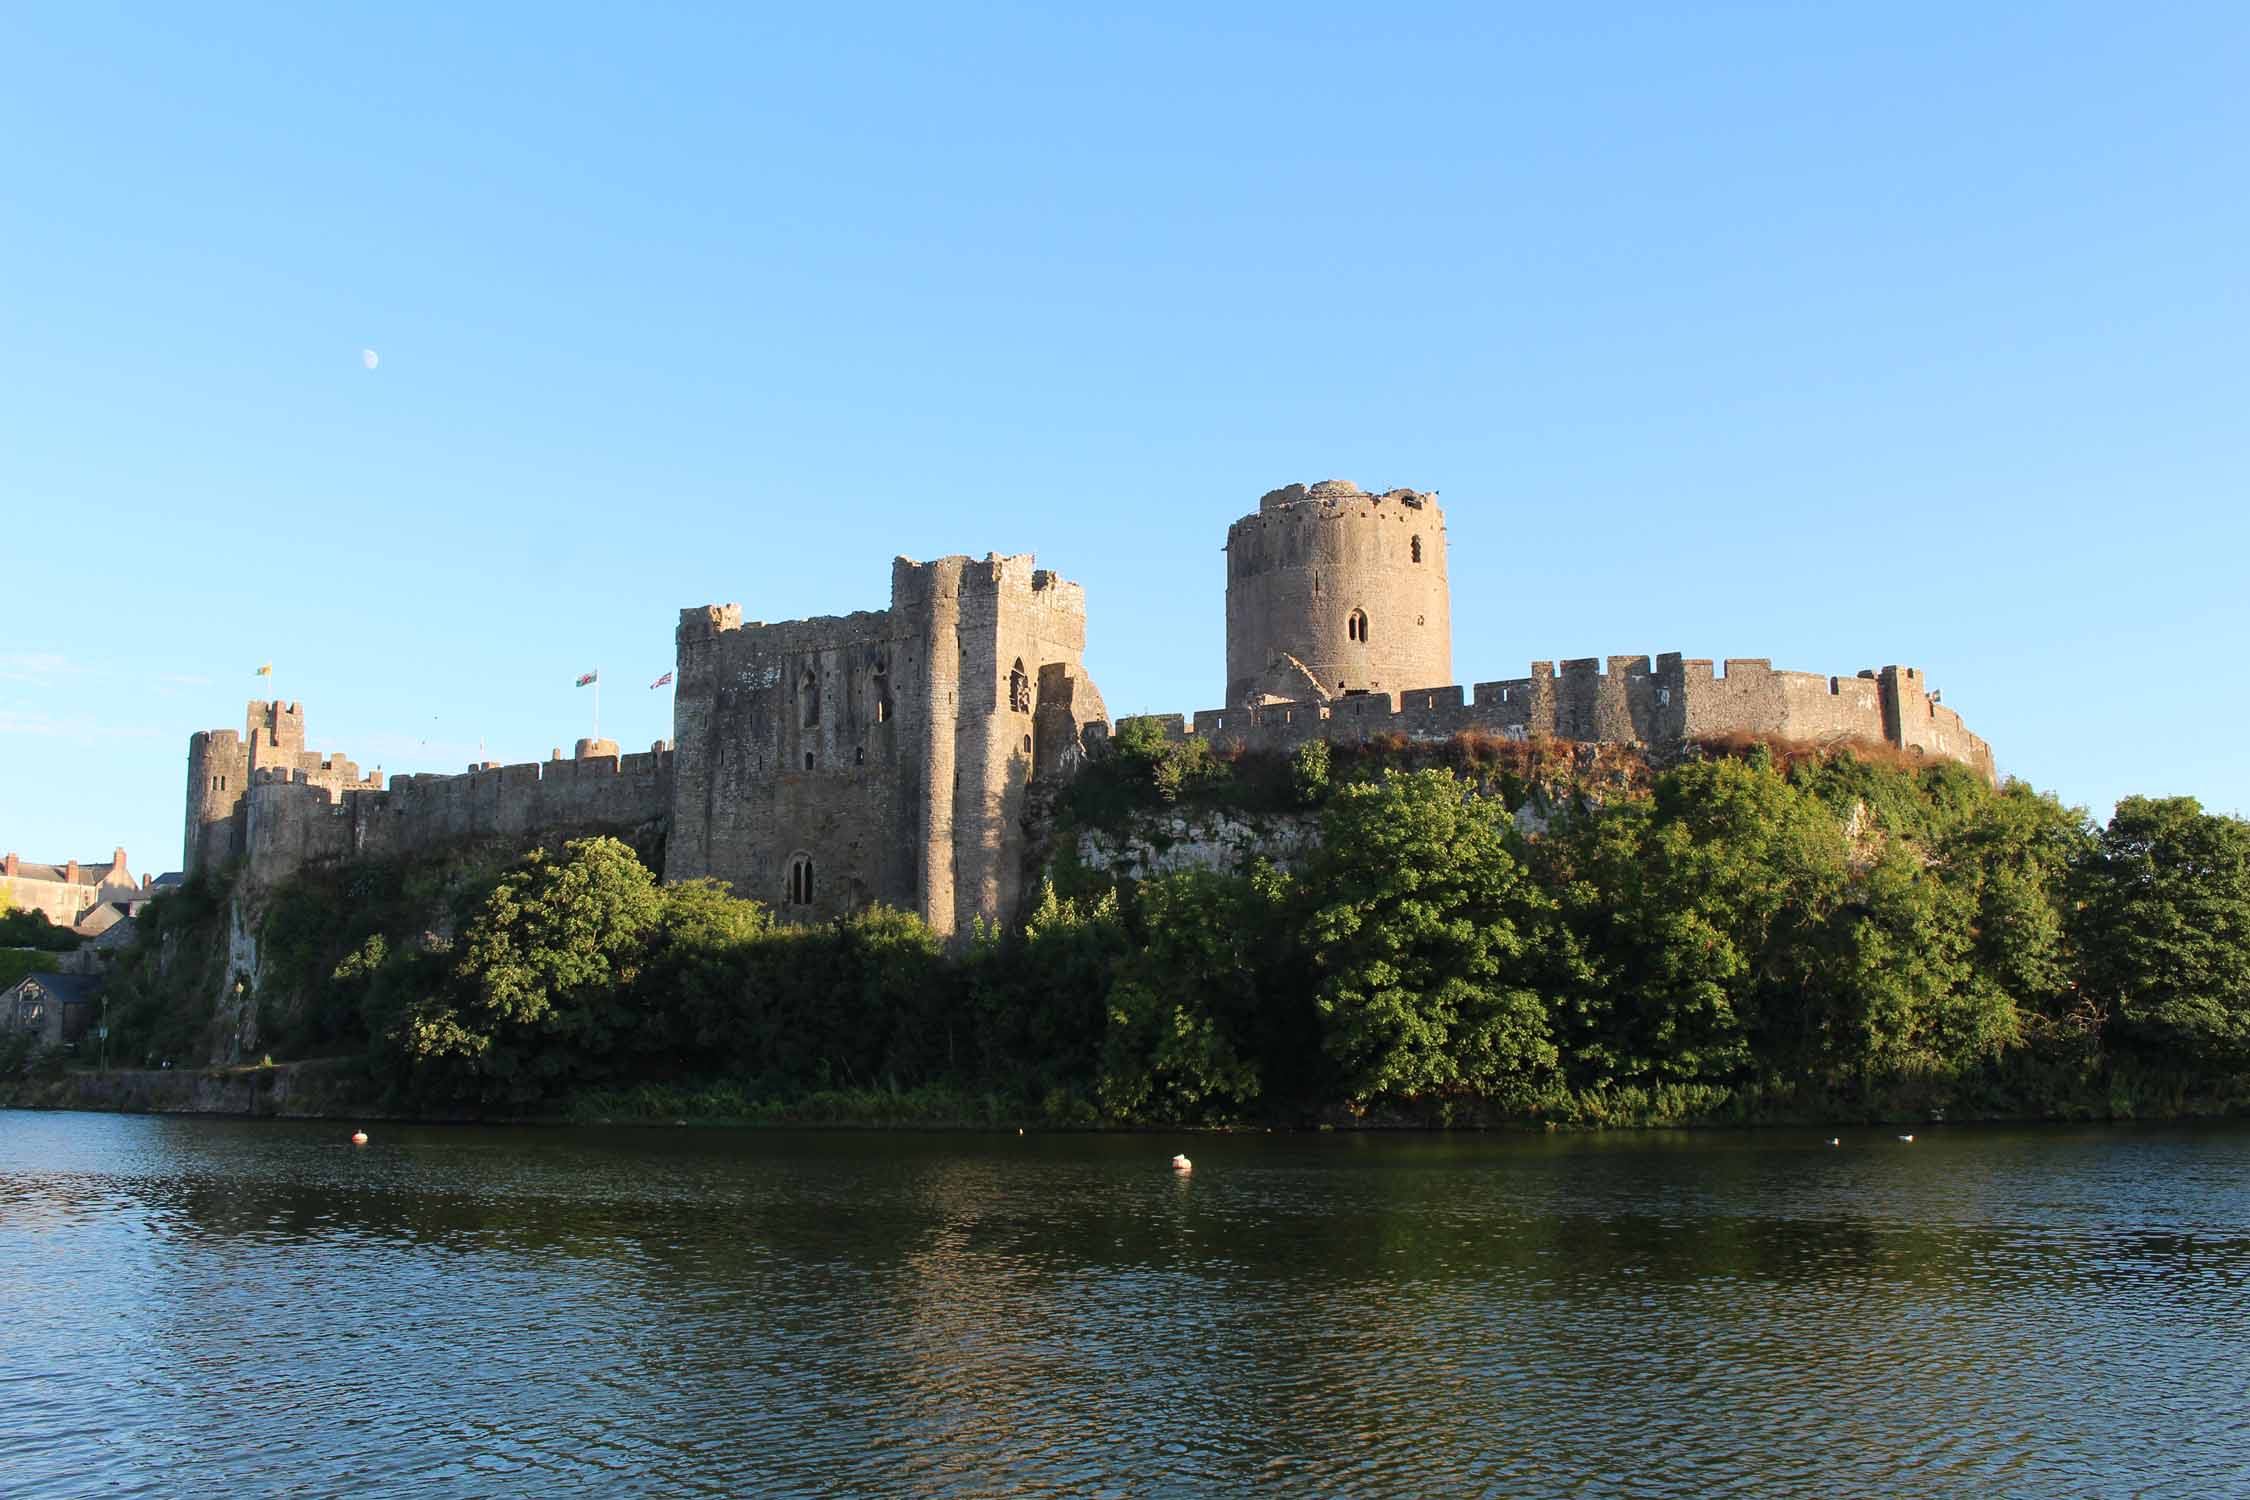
1745, 936
24, 927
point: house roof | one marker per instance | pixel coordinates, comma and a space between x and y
100, 917
89, 873
62, 988
116, 935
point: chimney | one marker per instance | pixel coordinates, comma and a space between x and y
117, 862
11, 867
147, 881
70, 873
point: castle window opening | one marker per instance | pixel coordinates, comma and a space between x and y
1356, 626
859, 755
800, 880
1027, 744
1019, 689
1417, 547
883, 709
808, 760
808, 693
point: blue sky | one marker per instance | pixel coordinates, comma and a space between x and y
1912, 334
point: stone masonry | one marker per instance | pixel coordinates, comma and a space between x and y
823, 765
826, 764
1331, 590
261, 797
1321, 577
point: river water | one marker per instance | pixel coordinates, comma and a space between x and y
194, 1307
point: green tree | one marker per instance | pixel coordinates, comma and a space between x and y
2165, 928
2015, 858
540, 994
1417, 931
1697, 916
1309, 770
1177, 1011
1040, 997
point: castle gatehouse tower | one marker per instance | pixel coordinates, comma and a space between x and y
1333, 591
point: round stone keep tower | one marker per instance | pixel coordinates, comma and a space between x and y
1331, 590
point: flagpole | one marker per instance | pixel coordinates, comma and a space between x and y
597, 703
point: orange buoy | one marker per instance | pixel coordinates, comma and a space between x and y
359, 1137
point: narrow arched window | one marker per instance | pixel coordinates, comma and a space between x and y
1356, 626
1417, 549
1019, 689
808, 697
800, 880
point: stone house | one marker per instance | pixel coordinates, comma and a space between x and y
64, 892
57, 1008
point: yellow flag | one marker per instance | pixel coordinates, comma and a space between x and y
266, 670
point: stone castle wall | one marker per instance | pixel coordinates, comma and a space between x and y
1665, 703
299, 817
886, 751
1332, 590
260, 796
223, 765
826, 764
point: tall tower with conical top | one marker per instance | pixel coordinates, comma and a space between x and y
1333, 591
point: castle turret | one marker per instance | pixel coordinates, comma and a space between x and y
275, 732
1331, 591
218, 773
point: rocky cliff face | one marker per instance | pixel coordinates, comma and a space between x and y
1198, 839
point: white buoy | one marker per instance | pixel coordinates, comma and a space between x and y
1835, 1140
1180, 1163
1908, 1139
359, 1137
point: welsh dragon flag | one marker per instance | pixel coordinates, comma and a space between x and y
589, 679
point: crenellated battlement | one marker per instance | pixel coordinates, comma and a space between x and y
1628, 699
881, 755
263, 798
887, 755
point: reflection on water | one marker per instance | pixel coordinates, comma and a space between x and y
197, 1307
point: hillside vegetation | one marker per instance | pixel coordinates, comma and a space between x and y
1765, 932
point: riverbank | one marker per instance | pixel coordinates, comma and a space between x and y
342, 1089
320, 1089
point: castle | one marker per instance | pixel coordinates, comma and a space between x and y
885, 756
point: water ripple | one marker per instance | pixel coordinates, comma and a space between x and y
219, 1308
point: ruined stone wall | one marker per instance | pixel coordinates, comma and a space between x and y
218, 778
299, 817
1913, 716
222, 765
1664, 703
1015, 625
1331, 590
889, 749
261, 796
797, 740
